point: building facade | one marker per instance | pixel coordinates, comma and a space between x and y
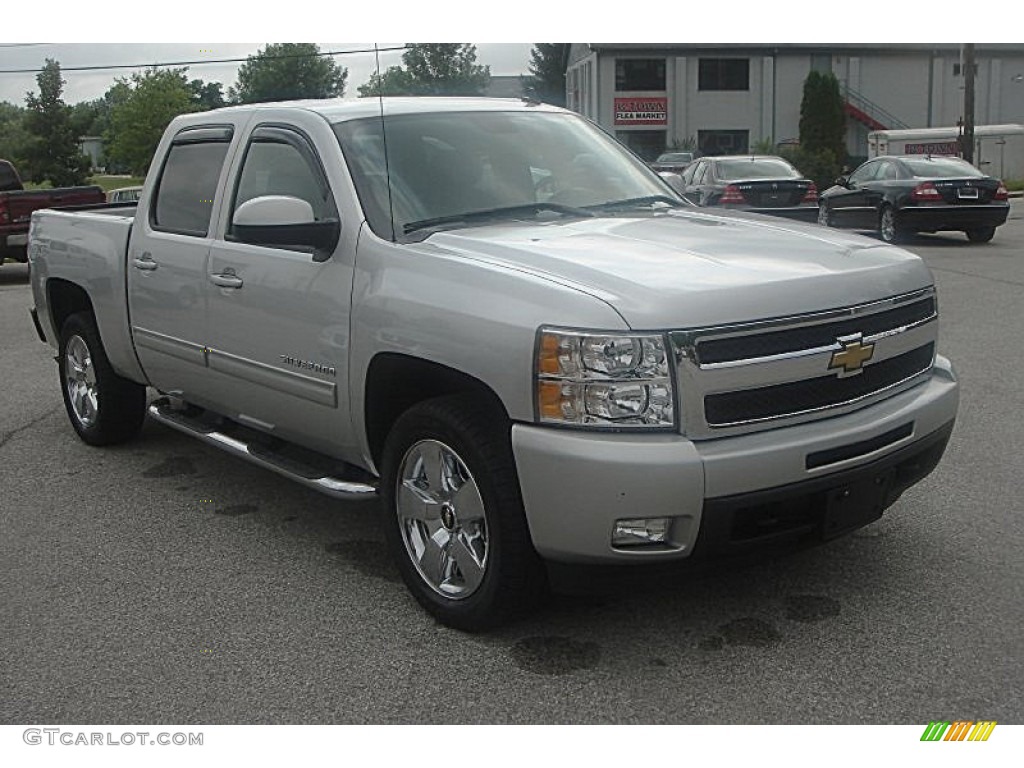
725, 98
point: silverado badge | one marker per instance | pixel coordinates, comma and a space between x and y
852, 356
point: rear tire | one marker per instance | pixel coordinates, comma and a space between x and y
981, 234
824, 215
455, 520
104, 408
888, 226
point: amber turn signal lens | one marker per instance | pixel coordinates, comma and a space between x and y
550, 346
549, 397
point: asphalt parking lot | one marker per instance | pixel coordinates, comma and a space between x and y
165, 582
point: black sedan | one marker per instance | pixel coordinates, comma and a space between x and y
672, 162
758, 183
897, 196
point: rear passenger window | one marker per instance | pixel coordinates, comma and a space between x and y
188, 183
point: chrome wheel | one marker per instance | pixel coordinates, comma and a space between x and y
887, 225
824, 217
80, 381
441, 519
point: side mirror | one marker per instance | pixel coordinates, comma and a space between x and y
843, 181
285, 221
674, 180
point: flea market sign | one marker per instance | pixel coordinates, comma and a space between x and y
651, 110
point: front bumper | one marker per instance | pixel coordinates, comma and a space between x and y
731, 492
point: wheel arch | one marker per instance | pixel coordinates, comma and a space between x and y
63, 299
396, 382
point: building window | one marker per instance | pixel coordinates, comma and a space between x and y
639, 74
724, 75
647, 144
723, 142
821, 62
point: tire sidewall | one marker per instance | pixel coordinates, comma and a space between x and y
483, 608
120, 404
894, 235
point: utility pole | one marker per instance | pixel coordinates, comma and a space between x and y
967, 70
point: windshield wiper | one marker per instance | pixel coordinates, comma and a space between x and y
495, 213
638, 202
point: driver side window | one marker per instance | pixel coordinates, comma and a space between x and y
281, 162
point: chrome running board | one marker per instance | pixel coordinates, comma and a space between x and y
307, 468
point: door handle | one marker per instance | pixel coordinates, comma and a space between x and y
145, 262
226, 279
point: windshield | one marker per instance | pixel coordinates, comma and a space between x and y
755, 168
446, 164
940, 167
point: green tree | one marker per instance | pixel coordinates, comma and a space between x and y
432, 69
141, 108
546, 82
207, 95
822, 150
52, 152
13, 135
822, 115
288, 71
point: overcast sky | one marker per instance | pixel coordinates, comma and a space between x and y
88, 33
503, 59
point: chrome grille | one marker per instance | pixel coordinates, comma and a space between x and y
749, 377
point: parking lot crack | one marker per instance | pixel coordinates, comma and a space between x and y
980, 277
6, 436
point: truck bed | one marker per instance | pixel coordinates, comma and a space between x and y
88, 246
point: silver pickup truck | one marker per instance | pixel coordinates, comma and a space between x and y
505, 324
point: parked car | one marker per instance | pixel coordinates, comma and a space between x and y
757, 183
673, 162
899, 195
17, 205
124, 195
584, 373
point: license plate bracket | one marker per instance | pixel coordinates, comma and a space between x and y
967, 193
855, 504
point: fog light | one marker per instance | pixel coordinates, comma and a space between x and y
644, 530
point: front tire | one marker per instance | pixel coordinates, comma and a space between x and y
455, 520
104, 408
824, 215
981, 234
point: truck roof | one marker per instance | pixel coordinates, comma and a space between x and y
1008, 129
338, 110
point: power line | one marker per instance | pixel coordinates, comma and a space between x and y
97, 68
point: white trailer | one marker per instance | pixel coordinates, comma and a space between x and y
998, 149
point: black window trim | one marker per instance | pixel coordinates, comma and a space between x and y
218, 133
281, 133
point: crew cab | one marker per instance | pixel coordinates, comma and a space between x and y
504, 324
17, 205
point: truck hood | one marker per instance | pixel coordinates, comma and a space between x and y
693, 269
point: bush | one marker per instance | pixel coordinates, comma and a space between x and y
820, 165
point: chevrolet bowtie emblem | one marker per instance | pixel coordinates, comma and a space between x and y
852, 356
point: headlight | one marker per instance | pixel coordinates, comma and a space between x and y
604, 380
